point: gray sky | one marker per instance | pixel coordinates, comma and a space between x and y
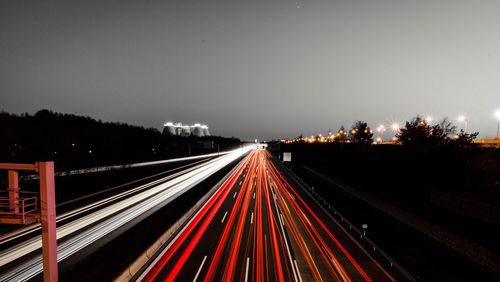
253, 69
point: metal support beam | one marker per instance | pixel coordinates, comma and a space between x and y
13, 191
48, 221
19, 166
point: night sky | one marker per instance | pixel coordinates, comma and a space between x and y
253, 69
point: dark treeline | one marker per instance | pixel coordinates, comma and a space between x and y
77, 141
423, 158
402, 174
431, 170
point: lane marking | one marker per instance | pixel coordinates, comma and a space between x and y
234, 196
298, 271
251, 219
254, 195
224, 217
199, 269
246, 271
282, 220
241, 182
335, 264
295, 275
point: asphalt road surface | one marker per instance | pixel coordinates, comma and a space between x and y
259, 226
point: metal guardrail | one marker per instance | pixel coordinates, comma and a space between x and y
116, 167
329, 209
27, 205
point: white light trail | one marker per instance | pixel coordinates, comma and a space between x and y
108, 219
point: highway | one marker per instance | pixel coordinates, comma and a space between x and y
260, 226
86, 225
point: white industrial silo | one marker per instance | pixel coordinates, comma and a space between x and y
169, 129
204, 128
196, 130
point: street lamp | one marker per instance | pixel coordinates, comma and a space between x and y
463, 119
395, 127
497, 115
380, 130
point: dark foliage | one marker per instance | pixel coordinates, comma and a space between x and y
419, 134
76, 141
361, 134
464, 139
341, 135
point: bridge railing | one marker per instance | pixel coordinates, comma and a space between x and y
26, 210
337, 215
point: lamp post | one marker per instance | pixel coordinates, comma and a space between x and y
381, 130
497, 115
463, 119
428, 120
395, 127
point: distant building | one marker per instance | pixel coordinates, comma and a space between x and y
178, 129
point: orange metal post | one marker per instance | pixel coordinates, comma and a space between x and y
13, 191
48, 219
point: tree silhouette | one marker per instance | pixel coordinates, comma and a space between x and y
464, 139
341, 135
416, 132
441, 133
420, 134
361, 134
77, 141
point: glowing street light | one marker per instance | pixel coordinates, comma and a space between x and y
463, 119
380, 130
395, 127
497, 115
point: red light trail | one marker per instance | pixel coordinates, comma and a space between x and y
264, 231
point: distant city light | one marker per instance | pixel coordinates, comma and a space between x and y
461, 118
428, 119
497, 115
395, 126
